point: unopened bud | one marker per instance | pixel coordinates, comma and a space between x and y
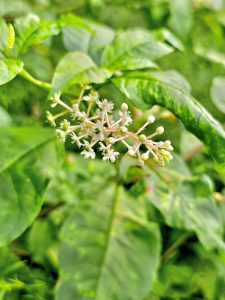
142, 138
160, 130
131, 152
167, 143
170, 148
111, 140
124, 107
123, 129
145, 156
151, 119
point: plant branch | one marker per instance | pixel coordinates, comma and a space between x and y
170, 251
44, 85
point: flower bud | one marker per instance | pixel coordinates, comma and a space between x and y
142, 138
167, 143
151, 119
160, 130
131, 152
111, 140
170, 148
145, 156
124, 107
123, 129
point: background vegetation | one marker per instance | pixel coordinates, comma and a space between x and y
85, 229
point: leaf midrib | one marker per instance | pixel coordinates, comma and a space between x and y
111, 224
130, 49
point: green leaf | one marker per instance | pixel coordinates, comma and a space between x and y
147, 89
40, 240
30, 30
75, 21
77, 38
77, 67
211, 54
187, 203
164, 34
76, 33
181, 16
133, 49
103, 36
102, 239
4, 33
5, 118
9, 67
28, 160
218, 93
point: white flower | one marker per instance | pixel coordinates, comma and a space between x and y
97, 128
102, 147
128, 120
100, 131
90, 153
77, 114
75, 139
125, 117
110, 154
105, 105
92, 97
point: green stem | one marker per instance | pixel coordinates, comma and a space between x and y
172, 249
45, 85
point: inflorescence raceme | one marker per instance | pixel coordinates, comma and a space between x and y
95, 126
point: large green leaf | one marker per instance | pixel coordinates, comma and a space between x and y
77, 67
133, 49
28, 160
80, 38
188, 203
109, 250
146, 89
9, 67
30, 30
217, 92
181, 16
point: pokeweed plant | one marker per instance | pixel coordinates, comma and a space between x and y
109, 239
99, 128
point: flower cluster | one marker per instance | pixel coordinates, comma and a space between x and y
94, 127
